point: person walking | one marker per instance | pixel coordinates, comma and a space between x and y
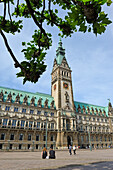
74, 149
70, 147
44, 153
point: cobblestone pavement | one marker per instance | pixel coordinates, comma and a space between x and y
33, 161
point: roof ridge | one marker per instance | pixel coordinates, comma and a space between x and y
90, 104
26, 91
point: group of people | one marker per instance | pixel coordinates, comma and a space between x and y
74, 149
51, 154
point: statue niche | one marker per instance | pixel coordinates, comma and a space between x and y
66, 97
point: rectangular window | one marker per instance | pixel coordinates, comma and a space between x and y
21, 137
0, 106
2, 136
98, 119
30, 124
89, 118
12, 137
36, 146
84, 118
97, 138
15, 109
22, 123
51, 137
105, 120
5, 122
7, 108
44, 139
45, 113
80, 117
93, 119
14, 123
52, 125
38, 124
52, 114
23, 110
101, 138
31, 111
29, 137
38, 112
105, 139
37, 137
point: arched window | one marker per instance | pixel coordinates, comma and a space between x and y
67, 74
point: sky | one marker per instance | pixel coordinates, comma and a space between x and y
90, 59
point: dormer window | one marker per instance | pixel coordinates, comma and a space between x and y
17, 100
25, 100
1, 96
32, 101
46, 103
9, 97
100, 111
79, 108
96, 110
40, 102
84, 109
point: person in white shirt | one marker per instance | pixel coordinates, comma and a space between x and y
74, 149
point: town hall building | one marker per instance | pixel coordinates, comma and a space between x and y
34, 120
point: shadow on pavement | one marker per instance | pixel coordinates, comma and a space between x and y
94, 166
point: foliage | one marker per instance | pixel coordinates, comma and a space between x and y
81, 15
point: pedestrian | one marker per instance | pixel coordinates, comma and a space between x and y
51, 153
70, 147
44, 153
74, 149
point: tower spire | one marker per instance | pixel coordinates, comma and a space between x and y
60, 53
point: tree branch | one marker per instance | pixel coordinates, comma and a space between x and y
17, 64
34, 18
4, 10
9, 11
17, 7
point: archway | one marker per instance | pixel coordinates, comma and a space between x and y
68, 141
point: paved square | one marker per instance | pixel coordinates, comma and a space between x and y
32, 160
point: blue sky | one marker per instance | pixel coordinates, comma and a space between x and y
90, 58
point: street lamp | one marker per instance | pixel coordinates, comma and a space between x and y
8, 144
46, 129
33, 146
89, 138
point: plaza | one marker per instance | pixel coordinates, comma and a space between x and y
33, 160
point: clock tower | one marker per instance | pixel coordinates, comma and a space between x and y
61, 83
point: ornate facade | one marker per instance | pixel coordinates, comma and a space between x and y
26, 118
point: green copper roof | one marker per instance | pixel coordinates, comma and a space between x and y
90, 106
60, 53
29, 95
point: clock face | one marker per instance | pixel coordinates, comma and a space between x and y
55, 87
65, 85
